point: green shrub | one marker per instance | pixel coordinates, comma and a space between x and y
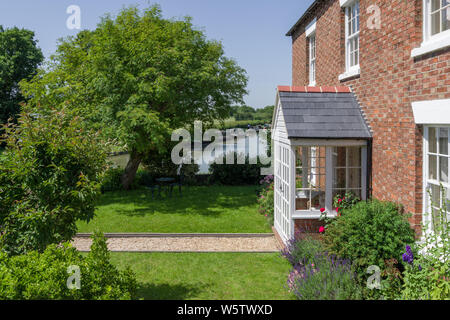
235, 174
346, 201
427, 264
111, 180
303, 249
328, 279
266, 199
368, 234
50, 174
45, 275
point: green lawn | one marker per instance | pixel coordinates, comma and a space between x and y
209, 276
211, 209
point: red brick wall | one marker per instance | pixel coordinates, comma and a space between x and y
389, 81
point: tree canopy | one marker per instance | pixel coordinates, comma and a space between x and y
138, 77
19, 59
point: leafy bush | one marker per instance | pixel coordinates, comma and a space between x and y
315, 274
427, 272
111, 180
329, 279
345, 202
50, 175
266, 198
45, 275
392, 280
235, 174
303, 249
368, 234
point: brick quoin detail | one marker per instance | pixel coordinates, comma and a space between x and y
390, 80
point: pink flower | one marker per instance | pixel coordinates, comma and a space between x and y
321, 229
339, 200
322, 210
337, 210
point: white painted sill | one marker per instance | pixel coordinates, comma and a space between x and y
298, 215
349, 74
431, 45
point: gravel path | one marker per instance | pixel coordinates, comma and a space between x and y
169, 243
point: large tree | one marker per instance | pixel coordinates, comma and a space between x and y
138, 77
19, 59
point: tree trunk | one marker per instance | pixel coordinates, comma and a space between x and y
130, 170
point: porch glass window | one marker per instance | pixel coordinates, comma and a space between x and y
310, 178
346, 171
437, 172
322, 173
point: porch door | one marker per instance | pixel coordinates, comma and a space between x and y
282, 210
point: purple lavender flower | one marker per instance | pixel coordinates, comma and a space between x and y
408, 256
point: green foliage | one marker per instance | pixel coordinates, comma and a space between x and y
427, 274
242, 124
327, 279
392, 280
45, 275
111, 180
138, 77
19, 60
316, 275
249, 113
160, 164
347, 201
304, 249
50, 177
368, 234
266, 203
235, 174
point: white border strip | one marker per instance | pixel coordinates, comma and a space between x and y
432, 111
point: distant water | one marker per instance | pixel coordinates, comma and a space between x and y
239, 145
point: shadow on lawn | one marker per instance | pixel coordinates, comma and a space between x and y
166, 291
195, 200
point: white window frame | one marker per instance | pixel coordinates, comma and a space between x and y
351, 71
312, 59
430, 42
314, 214
426, 180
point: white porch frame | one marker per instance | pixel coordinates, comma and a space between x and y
329, 144
285, 208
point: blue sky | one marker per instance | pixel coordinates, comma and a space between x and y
252, 31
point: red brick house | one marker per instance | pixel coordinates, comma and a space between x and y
394, 57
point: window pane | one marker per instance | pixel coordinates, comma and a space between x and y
339, 178
443, 168
432, 143
354, 177
299, 178
435, 195
339, 157
435, 5
317, 199
435, 23
432, 163
445, 19
443, 141
447, 200
354, 157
